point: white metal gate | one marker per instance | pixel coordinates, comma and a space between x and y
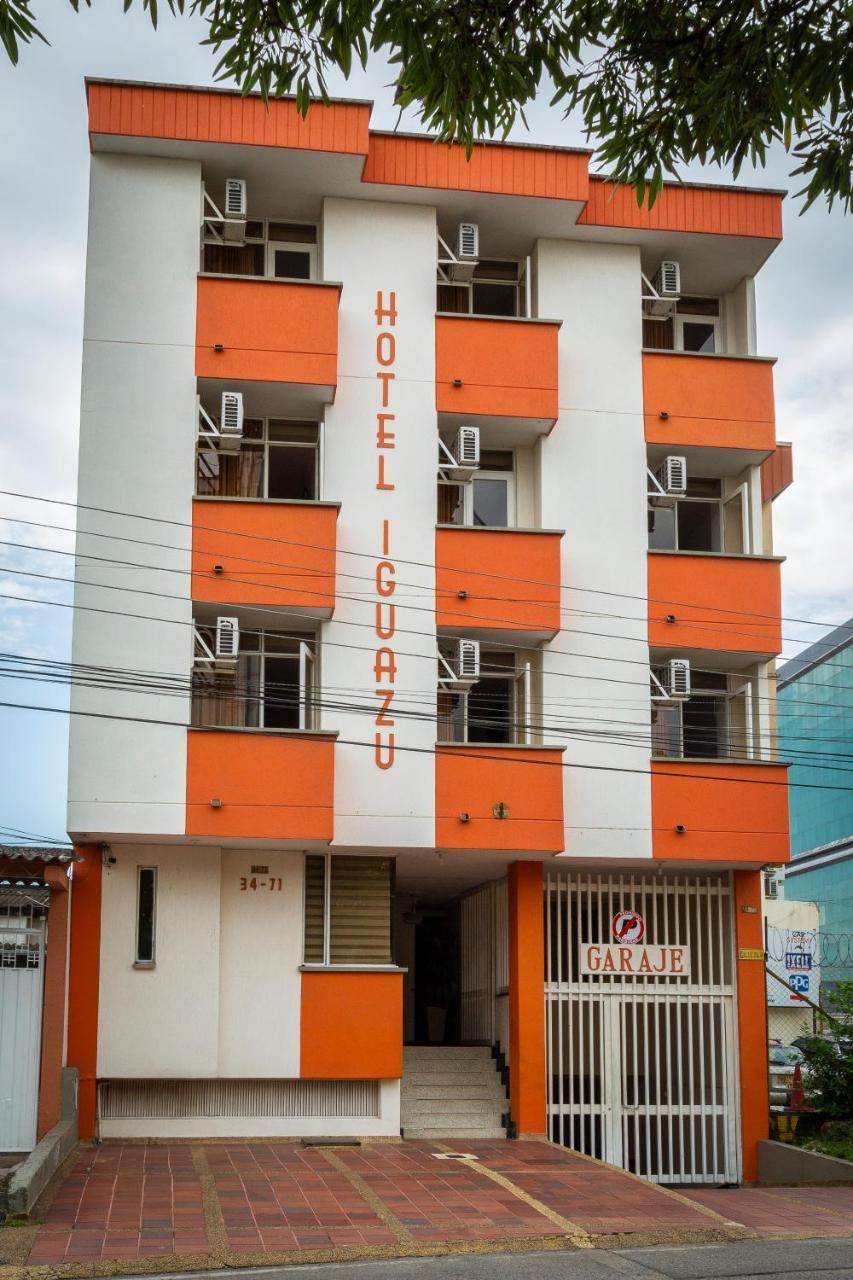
484, 962
643, 1069
21, 981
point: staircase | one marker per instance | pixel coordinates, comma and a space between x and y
450, 1092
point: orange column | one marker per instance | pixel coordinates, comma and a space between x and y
752, 1019
53, 1007
527, 1081
83, 980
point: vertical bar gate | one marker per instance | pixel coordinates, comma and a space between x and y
642, 1069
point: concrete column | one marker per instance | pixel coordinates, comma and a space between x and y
527, 1066
54, 1002
84, 982
752, 1019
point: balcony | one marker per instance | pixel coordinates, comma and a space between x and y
721, 401
525, 784
731, 812
687, 586
498, 583
503, 369
267, 554
266, 330
351, 1025
271, 786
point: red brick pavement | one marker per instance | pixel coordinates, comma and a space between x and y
131, 1202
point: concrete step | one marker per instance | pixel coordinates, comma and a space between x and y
459, 1066
456, 1136
489, 1091
447, 1052
487, 1107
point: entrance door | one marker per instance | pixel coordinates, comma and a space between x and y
642, 1068
21, 978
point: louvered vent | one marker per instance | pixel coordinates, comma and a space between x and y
188, 1099
468, 240
235, 198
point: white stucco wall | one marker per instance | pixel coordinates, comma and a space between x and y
372, 246
593, 486
137, 439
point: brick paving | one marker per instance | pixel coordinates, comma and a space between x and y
232, 1202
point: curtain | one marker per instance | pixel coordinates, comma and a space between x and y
453, 298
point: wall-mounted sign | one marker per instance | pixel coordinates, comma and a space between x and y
635, 961
628, 927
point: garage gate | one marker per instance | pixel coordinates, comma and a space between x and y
643, 1068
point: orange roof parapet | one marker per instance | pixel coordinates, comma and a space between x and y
727, 211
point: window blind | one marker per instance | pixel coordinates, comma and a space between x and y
360, 910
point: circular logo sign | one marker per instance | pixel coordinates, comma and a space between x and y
628, 926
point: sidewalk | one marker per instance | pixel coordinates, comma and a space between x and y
132, 1208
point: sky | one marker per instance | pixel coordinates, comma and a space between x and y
805, 317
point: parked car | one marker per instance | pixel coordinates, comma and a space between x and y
783, 1059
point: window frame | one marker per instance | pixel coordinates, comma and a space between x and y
263, 446
271, 247
508, 476
688, 317
327, 963
264, 239
306, 655
139, 961
741, 491
738, 686
520, 675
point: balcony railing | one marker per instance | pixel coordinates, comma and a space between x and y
715, 601
711, 400
498, 580
714, 810
489, 797
500, 368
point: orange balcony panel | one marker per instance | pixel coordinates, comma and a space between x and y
732, 812
351, 1025
272, 786
507, 368
279, 554
722, 401
270, 331
511, 578
474, 779
730, 603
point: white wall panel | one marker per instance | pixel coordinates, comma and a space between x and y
593, 486
137, 440
373, 247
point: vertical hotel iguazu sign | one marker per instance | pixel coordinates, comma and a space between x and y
385, 662
630, 956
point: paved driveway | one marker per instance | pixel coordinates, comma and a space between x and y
127, 1207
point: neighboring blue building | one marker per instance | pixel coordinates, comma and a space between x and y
815, 725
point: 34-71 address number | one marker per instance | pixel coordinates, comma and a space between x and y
273, 884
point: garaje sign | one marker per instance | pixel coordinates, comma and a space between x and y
637, 961
628, 957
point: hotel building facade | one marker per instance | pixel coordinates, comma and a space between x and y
426, 614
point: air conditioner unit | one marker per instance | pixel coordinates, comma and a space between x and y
458, 462
671, 682
466, 251
461, 665
231, 422
234, 227
667, 281
668, 482
227, 643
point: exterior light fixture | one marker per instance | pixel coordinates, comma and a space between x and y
680, 830
663, 415
216, 804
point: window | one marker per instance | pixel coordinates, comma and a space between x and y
497, 709
716, 722
278, 250
497, 288
146, 902
278, 459
487, 501
348, 909
695, 326
703, 520
274, 685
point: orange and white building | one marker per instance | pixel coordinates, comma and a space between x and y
427, 609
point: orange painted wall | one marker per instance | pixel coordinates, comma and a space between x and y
474, 779
351, 1026
272, 331
711, 400
272, 786
732, 812
53, 1005
708, 209
83, 983
209, 115
279, 554
752, 1020
523, 594
504, 168
749, 591
527, 1069
507, 367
